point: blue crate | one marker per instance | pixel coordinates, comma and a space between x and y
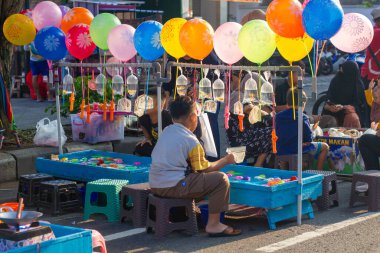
68, 239
86, 173
280, 201
246, 193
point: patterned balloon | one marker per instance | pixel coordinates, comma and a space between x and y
79, 42
257, 41
75, 16
284, 17
50, 43
195, 38
18, 29
147, 40
46, 13
170, 37
226, 42
120, 42
355, 35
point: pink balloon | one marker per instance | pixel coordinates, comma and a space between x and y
120, 42
113, 70
355, 35
46, 13
226, 42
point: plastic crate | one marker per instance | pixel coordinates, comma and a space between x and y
68, 239
246, 193
98, 130
86, 173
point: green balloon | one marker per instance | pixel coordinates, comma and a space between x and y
100, 27
257, 41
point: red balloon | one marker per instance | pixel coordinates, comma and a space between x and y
79, 42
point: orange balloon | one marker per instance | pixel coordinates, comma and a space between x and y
75, 16
196, 37
284, 17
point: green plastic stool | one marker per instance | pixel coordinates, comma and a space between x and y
111, 188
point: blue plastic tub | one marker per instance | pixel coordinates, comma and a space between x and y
246, 193
86, 173
68, 239
204, 214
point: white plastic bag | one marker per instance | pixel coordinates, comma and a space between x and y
207, 137
47, 134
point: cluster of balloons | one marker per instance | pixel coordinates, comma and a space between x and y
289, 26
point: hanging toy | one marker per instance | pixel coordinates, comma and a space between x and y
91, 82
68, 83
274, 141
124, 105
88, 113
112, 109
205, 90
82, 106
143, 102
210, 106
250, 89
254, 115
218, 87
117, 85
238, 110
132, 84
266, 93
181, 84
99, 82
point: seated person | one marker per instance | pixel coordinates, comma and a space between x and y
373, 100
256, 137
346, 99
369, 146
149, 125
282, 89
286, 129
179, 168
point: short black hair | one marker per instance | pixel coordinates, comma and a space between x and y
289, 97
181, 107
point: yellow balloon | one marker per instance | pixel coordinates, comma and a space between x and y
294, 49
18, 29
170, 37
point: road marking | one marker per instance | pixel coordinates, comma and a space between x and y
123, 234
317, 233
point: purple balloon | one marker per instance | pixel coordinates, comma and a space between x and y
64, 9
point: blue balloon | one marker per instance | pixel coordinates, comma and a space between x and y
50, 43
147, 40
322, 19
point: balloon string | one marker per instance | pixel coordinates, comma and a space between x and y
175, 81
308, 57
81, 73
104, 79
316, 59
227, 105
293, 102
259, 93
194, 84
201, 78
125, 82
146, 90
239, 81
320, 56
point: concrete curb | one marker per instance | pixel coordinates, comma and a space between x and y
15, 163
8, 168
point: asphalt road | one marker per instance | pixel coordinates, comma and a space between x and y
340, 229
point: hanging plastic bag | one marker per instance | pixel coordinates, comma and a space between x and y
47, 134
207, 137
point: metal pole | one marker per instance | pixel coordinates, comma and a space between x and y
299, 148
159, 119
314, 88
58, 105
